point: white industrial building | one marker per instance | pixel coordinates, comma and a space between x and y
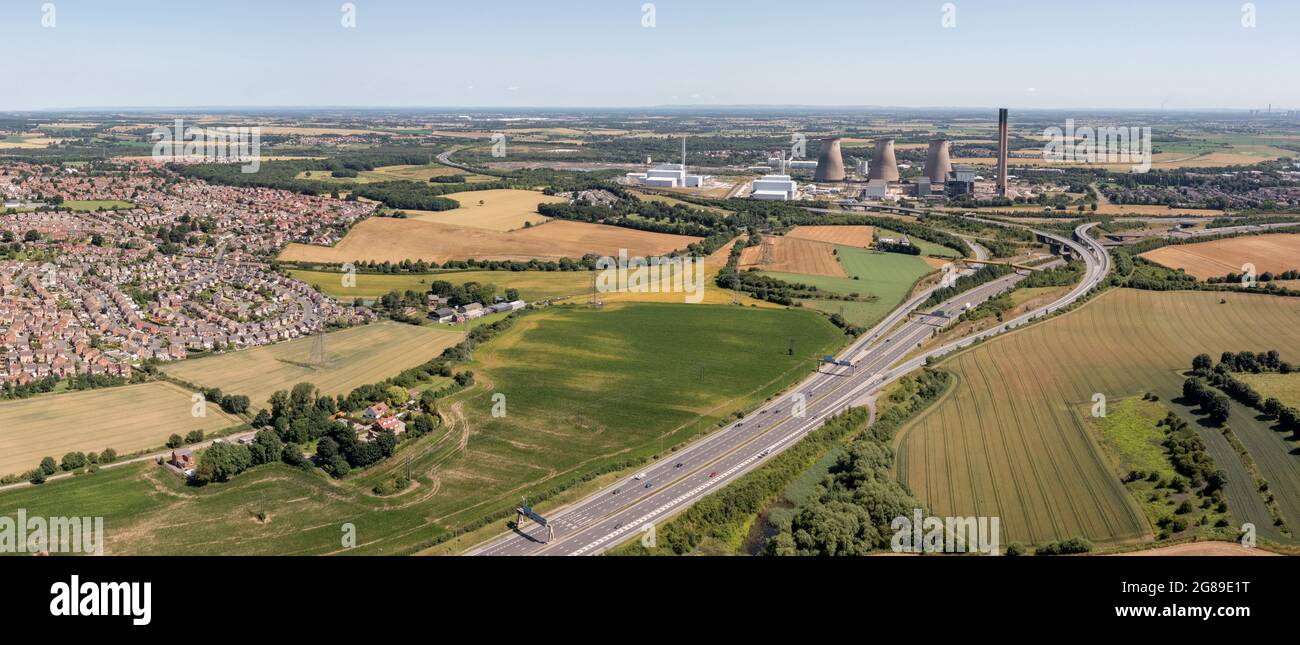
876, 189
774, 188
668, 175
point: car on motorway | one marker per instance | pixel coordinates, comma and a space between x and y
649, 484
639, 476
713, 474
765, 453
618, 490
678, 465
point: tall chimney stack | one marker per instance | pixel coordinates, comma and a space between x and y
1002, 152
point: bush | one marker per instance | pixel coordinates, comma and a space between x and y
1069, 546
221, 461
73, 461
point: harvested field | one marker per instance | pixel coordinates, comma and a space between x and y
495, 210
126, 419
1283, 387
792, 255
859, 236
353, 357
1269, 253
1013, 438
387, 239
1202, 549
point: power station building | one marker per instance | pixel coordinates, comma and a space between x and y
668, 175
961, 181
778, 188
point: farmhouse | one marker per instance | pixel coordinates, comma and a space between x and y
396, 425
376, 412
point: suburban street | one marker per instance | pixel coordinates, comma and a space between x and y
630, 508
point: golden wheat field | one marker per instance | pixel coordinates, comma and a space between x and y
785, 254
352, 357
495, 210
126, 419
1276, 253
387, 239
860, 236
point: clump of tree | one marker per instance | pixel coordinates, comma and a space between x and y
851, 512
1068, 546
1222, 377
1212, 403
987, 273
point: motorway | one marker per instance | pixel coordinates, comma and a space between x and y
630, 508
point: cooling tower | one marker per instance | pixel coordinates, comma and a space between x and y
1002, 151
883, 164
830, 164
937, 163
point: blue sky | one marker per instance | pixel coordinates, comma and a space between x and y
1179, 54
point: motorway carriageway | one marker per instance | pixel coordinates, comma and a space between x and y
625, 510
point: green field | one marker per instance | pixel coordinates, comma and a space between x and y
1013, 439
94, 205
585, 389
532, 285
1132, 439
356, 356
927, 247
887, 276
1129, 433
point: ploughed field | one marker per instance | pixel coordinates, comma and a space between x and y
1012, 438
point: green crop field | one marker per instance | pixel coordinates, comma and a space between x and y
353, 357
586, 389
532, 285
1013, 439
887, 276
94, 205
